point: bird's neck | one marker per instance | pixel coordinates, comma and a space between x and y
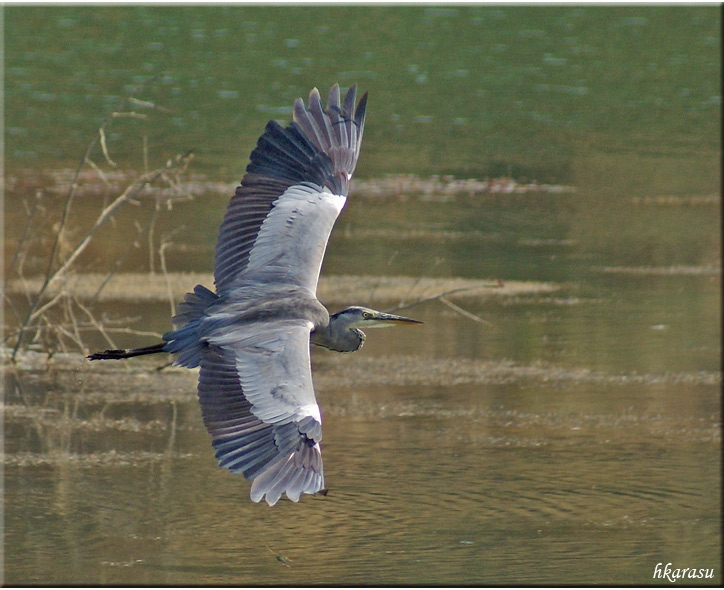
345, 340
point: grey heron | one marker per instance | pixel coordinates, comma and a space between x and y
251, 338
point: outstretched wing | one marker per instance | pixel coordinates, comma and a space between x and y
258, 404
278, 223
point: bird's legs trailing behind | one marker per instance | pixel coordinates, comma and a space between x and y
127, 353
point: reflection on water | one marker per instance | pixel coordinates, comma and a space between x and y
572, 436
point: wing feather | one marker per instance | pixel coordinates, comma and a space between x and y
316, 110
318, 149
291, 242
258, 404
336, 120
308, 125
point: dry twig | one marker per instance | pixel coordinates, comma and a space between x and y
443, 298
69, 328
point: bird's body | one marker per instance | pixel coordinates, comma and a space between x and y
251, 337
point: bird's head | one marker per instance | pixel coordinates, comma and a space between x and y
364, 317
344, 331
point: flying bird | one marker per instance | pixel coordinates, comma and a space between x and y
251, 338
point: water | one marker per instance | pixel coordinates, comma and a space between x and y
572, 438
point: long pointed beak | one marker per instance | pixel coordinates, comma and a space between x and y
385, 320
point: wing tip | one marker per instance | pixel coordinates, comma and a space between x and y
360, 111
298, 473
349, 109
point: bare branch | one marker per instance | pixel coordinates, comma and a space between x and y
56, 244
150, 105
129, 115
73, 322
35, 313
40, 311
117, 264
100, 172
162, 257
104, 147
132, 191
96, 324
445, 294
461, 311
131, 331
23, 238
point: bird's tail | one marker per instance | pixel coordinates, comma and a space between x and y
126, 353
185, 341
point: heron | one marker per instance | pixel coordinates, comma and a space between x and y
251, 337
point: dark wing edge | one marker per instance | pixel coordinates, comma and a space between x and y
280, 455
320, 147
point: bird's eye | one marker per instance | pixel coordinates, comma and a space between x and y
366, 315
